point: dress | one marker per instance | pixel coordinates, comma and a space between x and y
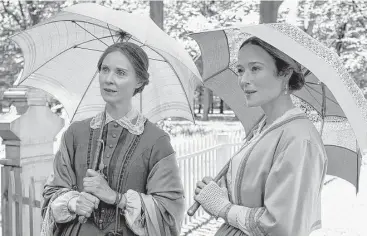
139, 161
275, 180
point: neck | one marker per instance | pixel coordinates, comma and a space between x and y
276, 108
117, 111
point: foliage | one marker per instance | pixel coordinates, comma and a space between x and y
341, 25
338, 24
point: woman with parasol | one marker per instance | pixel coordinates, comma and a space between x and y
136, 189
273, 184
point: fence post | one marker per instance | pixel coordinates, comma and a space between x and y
224, 152
32, 129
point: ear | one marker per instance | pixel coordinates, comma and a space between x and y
286, 75
139, 84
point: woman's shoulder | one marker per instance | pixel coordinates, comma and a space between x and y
300, 131
79, 127
153, 132
301, 128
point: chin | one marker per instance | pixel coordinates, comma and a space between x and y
251, 104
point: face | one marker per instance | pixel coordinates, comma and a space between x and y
117, 78
257, 76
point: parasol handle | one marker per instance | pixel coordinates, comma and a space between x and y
196, 205
83, 219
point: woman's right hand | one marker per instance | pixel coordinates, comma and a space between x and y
85, 203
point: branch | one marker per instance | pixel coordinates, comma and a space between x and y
355, 6
22, 12
11, 14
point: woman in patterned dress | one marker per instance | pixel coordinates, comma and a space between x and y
137, 190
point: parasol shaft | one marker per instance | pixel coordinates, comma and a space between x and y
83, 219
323, 108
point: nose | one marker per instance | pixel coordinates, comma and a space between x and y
108, 77
243, 80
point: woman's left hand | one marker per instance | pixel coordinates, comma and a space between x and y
94, 183
201, 184
212, 198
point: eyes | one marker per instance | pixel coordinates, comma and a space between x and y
254, 69
119, 72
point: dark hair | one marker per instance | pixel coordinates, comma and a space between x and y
137, 57
283, 63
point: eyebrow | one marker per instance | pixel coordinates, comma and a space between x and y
123, 69
255, 62
119, 68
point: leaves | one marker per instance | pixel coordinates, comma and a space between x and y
341, 25
338, 24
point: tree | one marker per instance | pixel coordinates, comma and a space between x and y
340, 25
16, 16
185, 17
156, 12
269, 11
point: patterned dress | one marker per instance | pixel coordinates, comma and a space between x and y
137, 159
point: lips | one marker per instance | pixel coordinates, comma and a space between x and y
249, 92
109, 90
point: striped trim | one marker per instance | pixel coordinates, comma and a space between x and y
241, 170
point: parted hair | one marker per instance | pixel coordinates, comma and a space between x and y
283, 63
137, 57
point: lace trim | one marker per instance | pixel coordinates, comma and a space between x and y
125, 122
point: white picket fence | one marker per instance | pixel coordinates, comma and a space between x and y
200, 156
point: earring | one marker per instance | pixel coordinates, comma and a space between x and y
286, 89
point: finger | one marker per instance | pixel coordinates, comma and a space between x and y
87, 205
89, 184
87, 196
207, 179
196, 198
86, 213
96, 203
200, 185
222, 183
197, 191
88, 179
92, 198
92, 173
89, 189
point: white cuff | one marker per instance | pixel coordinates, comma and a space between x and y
246, 219
60, 209
133, 213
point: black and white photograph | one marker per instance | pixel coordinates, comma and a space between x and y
183, 117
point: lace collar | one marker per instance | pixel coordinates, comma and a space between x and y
126, 121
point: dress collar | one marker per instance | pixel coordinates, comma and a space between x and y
285, 116
126, 121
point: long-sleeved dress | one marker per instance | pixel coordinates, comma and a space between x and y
139, 161
275, 180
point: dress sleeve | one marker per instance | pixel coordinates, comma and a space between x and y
63, 178
292, 193
160, 211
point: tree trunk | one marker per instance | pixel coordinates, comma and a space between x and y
156, 12
221, 107
269, 11
207, 103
